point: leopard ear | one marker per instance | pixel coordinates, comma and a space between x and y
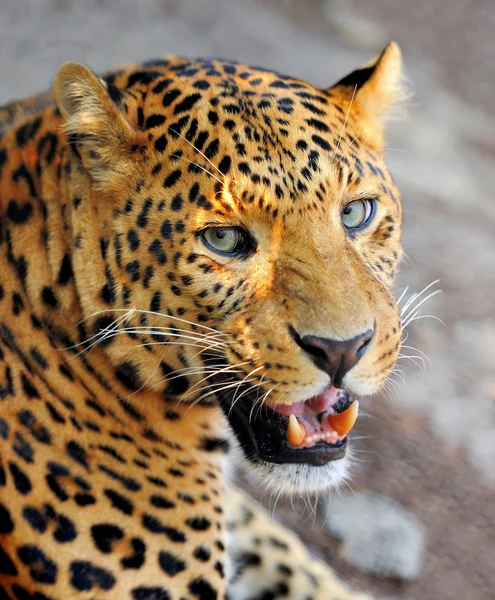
373, 92
94, 122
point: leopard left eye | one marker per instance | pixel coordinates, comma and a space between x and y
358, 214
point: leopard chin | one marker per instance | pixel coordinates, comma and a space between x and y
288, 479
298, 448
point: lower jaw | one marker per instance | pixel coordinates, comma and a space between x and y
264, 439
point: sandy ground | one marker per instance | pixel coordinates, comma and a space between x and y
432, 446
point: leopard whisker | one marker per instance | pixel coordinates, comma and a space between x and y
346, 117
154, 313
199, 152
200, 167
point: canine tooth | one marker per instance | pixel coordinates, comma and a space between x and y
308, 440
295, 432
343, 422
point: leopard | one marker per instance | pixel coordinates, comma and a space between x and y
197, 262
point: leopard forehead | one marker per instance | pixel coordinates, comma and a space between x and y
276, 136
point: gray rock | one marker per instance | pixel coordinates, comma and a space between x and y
379, 536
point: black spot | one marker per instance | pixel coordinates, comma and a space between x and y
17, 303
22, 448
154, 525
104, 247
219, 569
171, 415
224, 165
156, 302
56, 488
27, 131
201, 84
202, 589
7, 567
21, 480
105, 535
169, 97
38, 358
170, 564
133, 269
84, 499
166, 229
319, 141
177, 203
54, 414
318, 125
4, 429
133, 239
161, 502
198, 523
142, 220
120, 502
161, 143
19, 213
3, 158
150, 593
48, 297
212, 149
107, 294
6, 523
137, 558
172, 179
177, 385
154, 121
85, 576
77, 452
213, 117
128, 374
129, 483
157, 481
38, 431
214, 444
28, 388
43, 570
186, 498
276, 543
186, 104
202, 553
101, 326
65, 531
65, 273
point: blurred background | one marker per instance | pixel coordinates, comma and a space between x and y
421, 504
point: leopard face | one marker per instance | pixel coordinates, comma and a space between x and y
242, 230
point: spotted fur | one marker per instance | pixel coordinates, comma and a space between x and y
113, 446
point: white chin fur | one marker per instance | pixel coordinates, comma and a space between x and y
287, 479
298, 478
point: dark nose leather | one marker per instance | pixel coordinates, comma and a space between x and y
335, 357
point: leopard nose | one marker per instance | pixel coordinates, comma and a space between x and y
335, 357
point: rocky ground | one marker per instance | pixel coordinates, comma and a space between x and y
430, 451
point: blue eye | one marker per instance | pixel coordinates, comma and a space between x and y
357, 214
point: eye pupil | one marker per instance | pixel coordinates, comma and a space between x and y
220, 233
347, 210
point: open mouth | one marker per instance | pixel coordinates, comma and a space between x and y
312, 432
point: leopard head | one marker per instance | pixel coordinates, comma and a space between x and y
251, 232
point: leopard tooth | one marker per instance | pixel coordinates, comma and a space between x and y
343, 422
295, 432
